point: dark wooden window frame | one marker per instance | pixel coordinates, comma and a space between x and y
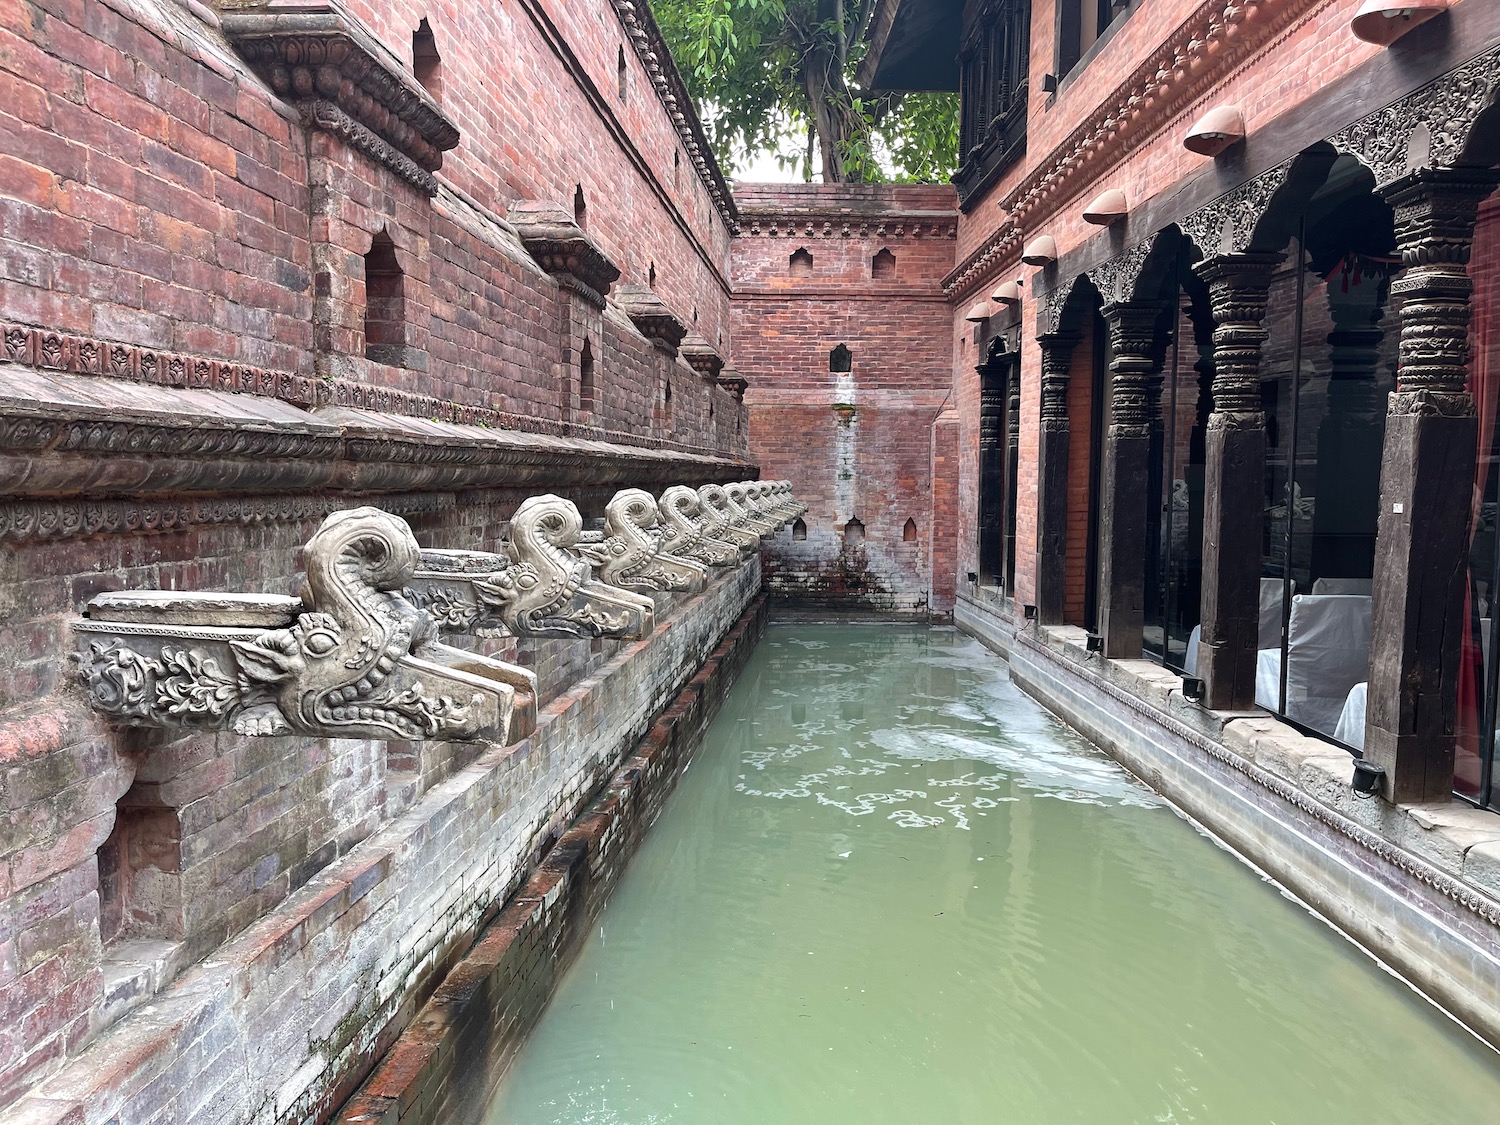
994, 87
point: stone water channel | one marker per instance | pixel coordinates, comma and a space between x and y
891, 888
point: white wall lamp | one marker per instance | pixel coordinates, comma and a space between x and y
1109, 207
1009, 294
1216, 131
1384, 21
1040, 251
978, 313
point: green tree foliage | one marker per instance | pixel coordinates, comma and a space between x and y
766, 73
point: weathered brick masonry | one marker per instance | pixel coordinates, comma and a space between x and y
443, 1069
226, 311
822, 267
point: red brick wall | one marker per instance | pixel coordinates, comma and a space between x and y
859, 445
158, 195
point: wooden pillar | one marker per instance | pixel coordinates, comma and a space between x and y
991, 467
1426, 489
1012, 469
1234, 479
1135, 375
1052, 476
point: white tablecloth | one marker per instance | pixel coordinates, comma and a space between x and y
1351, 728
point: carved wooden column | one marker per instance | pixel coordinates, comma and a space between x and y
1426, 489
991, 466
1234, 484
1012, 468
1052, 474
1135, 376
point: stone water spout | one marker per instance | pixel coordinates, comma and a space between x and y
538, 585
725, 521
685, 533
743, 497
628, 554
351, 658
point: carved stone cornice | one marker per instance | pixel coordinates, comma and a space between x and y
1428, 128
317, 56
1216, 37
30, 520
1239, 288
57, 352
651, 316
351, 658
564, 249
792, 223
645, 36
1436, 212
702, 356
735, 383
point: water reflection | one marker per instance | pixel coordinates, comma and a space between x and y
904, 893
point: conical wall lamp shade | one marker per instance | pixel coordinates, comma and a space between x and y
978, 313
1040, 251
1108, 208
1384, 21
1216, 131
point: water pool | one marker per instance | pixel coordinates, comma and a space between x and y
891, 888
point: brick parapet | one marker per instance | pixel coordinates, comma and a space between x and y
284, 1019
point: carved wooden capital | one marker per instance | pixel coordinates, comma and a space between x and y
1239, 287
1436, 211
1137, 361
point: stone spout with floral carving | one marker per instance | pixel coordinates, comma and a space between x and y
351, 658
537, 585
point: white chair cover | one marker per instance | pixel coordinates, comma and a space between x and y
1365, 586
1351, 728
1328, 652
1270, 624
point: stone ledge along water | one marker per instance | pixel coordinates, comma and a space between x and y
892, 888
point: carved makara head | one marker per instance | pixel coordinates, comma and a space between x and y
352, 658
631, 556
724, 521
684, 532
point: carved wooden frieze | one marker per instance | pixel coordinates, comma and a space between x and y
538, 585
316, 55
627, 553
651, 316
1227, 225
1429, 128
351, 658
564, 249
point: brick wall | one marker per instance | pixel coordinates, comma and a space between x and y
816, 267
158, 195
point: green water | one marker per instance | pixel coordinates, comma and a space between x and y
892, 889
